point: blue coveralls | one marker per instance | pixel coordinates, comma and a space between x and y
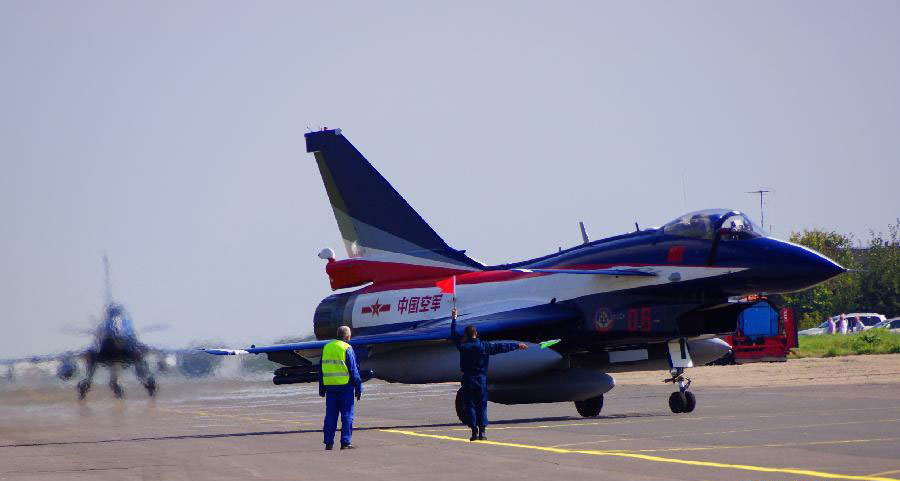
339, 399
473, 362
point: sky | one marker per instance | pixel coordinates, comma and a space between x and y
169, 135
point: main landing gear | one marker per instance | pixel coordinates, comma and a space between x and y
681, 401
461, 408
590, 408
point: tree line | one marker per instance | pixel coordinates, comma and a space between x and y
871, 285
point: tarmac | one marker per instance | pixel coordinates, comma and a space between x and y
221, 429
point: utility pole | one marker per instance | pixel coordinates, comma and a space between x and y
762, 217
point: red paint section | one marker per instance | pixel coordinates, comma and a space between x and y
468, 278
388, 276
676, 255
356, 272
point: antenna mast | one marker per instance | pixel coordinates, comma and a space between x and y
762, 217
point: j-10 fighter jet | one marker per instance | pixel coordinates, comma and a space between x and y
652, 299
115, 347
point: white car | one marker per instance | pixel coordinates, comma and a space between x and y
869, 320
892, 325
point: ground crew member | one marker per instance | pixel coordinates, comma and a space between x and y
473, 362
338, 382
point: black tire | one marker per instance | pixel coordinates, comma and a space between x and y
151, 386
83, 388
590, 408
461, 408
677, 402
691, 401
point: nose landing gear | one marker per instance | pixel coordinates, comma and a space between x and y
681, 401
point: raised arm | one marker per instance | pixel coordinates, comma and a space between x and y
501, 347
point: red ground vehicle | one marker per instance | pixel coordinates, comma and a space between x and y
764, 334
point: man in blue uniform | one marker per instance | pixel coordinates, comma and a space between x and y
338, 382
474, 355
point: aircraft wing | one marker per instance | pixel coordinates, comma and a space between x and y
438, 329
623, 271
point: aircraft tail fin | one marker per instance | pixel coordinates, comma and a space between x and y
376, 223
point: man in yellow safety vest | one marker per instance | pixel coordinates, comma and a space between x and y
338, 383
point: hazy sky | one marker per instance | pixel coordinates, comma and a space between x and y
170, 135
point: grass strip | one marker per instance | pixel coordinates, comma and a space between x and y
873, 341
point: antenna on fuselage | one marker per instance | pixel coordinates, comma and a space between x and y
584, 235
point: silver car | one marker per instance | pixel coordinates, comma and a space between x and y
892, 325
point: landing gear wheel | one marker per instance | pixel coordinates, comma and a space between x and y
83, 388
678, 402
590, 408
691, 401
117, 390
461, 408
151, 387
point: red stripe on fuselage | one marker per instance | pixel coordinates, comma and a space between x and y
356, 272
482, 277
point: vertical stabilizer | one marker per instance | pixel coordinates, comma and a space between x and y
375, 221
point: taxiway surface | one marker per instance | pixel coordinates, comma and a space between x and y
218, 429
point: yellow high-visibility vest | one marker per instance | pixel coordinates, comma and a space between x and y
334, 367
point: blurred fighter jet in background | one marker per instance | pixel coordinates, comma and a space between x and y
115, 347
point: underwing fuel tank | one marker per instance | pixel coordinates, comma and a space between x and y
440, 363
563, 385
654, 357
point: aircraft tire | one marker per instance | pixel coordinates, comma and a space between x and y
151, 386
691, 401
677, 402
461, 408
83, 388
590, 408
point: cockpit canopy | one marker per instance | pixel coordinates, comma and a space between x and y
704, 224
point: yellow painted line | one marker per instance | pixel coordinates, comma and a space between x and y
658, 459
603, 422
773, 445
886, 472
656, 419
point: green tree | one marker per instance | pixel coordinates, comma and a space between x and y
879, 277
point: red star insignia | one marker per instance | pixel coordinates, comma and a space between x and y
376, 308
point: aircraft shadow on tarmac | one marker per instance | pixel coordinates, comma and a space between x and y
501, 422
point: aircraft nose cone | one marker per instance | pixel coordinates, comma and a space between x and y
795, 267
823, 268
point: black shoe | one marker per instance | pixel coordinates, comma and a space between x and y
347, 446
474, 435
329, 447
481, 436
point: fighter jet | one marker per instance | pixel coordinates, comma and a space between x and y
651, 299
116, 347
